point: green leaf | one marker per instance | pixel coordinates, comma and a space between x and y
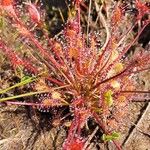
23, 82
108, 98
1, 22
113, 136
25, 78
21, 95
116, 135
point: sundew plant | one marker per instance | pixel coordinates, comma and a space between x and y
72, 71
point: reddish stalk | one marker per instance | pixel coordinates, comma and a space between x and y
125, 50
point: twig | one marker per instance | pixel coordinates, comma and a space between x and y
140, 130
90, 138
137, 125
88, 23
104, 23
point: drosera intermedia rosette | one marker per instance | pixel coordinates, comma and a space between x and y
92, 82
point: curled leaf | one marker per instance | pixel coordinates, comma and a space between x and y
33, 12
108, 98
113, 136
